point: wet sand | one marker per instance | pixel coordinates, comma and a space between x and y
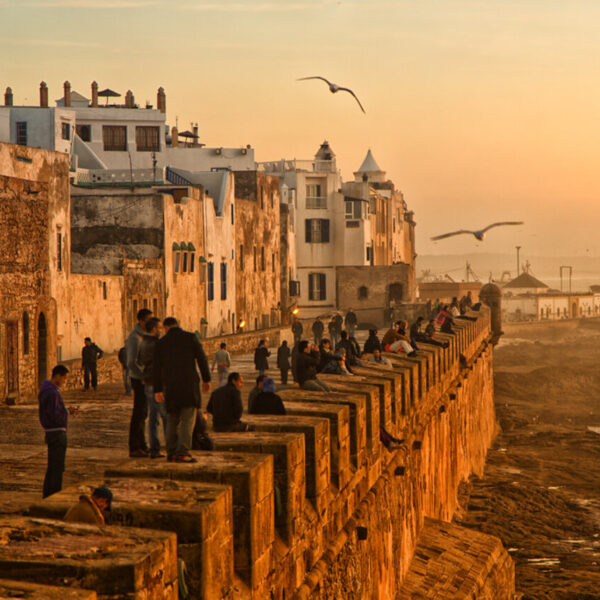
541, 489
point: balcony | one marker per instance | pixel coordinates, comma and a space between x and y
319, 202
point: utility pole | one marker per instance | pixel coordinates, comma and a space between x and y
518, 261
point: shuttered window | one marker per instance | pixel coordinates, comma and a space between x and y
316, 286
114, 138
147, 139
317, 231
210, 289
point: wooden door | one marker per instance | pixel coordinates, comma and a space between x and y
12, 356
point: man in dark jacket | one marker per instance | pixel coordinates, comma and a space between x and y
350, 349
176, 383
372, 342
255, 391
89, 361
261, 355
297, 330
351, 322
317, 329
226, 407
53, 418
339, 325
267, 402
333, 334
308, 361
283, 361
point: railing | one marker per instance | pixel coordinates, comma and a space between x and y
118, 177
280, 166
175, 178
316, 202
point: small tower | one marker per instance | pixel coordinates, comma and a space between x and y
369, 170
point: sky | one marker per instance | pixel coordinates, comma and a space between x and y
478, 110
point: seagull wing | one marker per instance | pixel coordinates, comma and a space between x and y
315, 77
447, 235
343, 89
500, 223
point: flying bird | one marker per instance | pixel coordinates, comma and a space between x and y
333, 88
478, 234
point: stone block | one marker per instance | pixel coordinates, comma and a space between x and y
251, 479
115, 562
200, 513
287, 450
35, 591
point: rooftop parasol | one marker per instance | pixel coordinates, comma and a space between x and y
108, 93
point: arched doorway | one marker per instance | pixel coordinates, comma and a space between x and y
42, 349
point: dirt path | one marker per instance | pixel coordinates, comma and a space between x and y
541, 489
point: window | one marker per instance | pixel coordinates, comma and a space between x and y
147, 138
104, 291
262, 198
84, 132
114, 138
185, 262
294, 288
314, 197
317, 231
134, 311
192, 261
177, 261
232, 214
21, 133
262, 259
241, 257
316, 286
368, 253
155, 306
223, 281
272, 199
25, 333
273, 262
211, 281
353, 209
59, 251
66, 131
363, 292
255, 258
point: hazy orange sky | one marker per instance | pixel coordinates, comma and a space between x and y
478, 110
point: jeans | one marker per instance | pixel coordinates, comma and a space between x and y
350, 329
156, 411
223, 375
57, 450
87, 371
334, 338
395, 347
284, 376
315, 385
180, 425
137, 436
126, 380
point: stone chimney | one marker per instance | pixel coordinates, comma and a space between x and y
129, 99
43, 95
67, 94
8, 97
195, 132
174, 137
94, 93
161, 100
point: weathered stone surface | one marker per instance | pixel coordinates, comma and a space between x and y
455, 563
201, 514
34, 591
116, 562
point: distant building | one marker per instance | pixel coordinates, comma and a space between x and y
525, 283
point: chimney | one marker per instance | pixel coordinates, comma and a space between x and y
129, 99
174, 137
161, 100
195, 132
67, 95
43, 95
94, 93
8, 97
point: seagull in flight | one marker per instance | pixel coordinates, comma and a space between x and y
478, 234
334, 87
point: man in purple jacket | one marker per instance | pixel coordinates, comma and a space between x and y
53, 417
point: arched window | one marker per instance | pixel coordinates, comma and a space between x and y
363, 292
25, 333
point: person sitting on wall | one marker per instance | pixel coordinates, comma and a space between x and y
225, 405
255, 391
308, 361
395, 341
378, 359
355, 347
372, 343
349, 347
325, 355
447, 325
416, 335
267, 402
337, 366
430, 329
90, 354
90, 509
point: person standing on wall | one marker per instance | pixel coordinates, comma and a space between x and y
222, 361
89, 362
137, 436
53, 418
123, 360
177, 384
333, 335
261, 355
317, 329
283, 361
351, 322
339, 324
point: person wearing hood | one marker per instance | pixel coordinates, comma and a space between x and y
267, 402
372, 343
261, 356
90, 509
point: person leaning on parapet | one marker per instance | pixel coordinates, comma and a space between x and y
318, 328
157, 411
283, 361
123, 360
222, 361
325, 354
90, 509
297, 330
394, 340
53, 418
267, 402
372, 343
176, 383
416, 335
255, 391
350, 322
90, 354
308, 360
137, 436
225, 405
261, 357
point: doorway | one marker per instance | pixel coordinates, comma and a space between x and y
12, 357
42, 348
